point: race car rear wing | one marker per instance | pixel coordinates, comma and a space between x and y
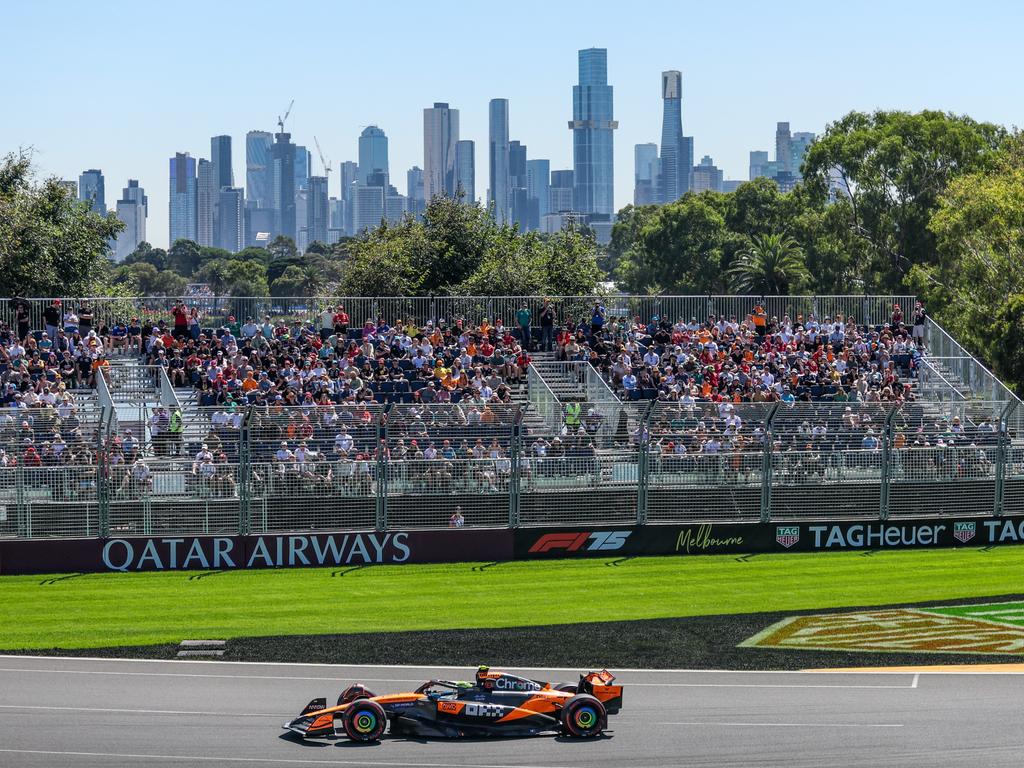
599, 685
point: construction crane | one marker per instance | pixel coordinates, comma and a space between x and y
326, 163
280, 120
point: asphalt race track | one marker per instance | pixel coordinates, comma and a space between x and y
82, 712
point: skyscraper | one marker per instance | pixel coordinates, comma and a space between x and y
414, 186
676, 152
440, 135
538, 186
706, 176
257, 168
592, 127
758, 162
282, 185
798, 145
220, 156
348, 174
561, 192
465, 171
520, 213
90, 190
368, 207
646, 175
373, 153
498, 188
303, 166
207, 196
317, 211
783, 150
395, 207
231, 219
132, 209
182, 208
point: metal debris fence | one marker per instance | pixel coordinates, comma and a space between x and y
216, 311
356, 468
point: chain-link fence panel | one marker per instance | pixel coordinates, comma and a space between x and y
706, 460
56, 502
459, 431
436, 493
576, 485
332, 432
309, 493
158, 497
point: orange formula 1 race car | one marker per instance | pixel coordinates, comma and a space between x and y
494, 704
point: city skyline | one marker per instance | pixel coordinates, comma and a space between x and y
735, 87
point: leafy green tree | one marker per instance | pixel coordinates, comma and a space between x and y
144, 252
246, 278
891, 168
679, 250
979, 231
143, 279
50, 244
184, 257
1004, 334
253, 253
769, 265
282, 247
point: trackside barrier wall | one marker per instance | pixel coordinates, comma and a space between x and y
359, 548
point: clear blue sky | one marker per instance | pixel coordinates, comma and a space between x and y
122, 86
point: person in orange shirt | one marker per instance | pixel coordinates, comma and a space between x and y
760, 319
249, 383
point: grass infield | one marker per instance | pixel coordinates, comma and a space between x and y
122, 609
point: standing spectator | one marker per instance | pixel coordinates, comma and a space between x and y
180, 320
920, 317
456, 520
523, 318
85, 318
597, 318
51, 318
547, 326
22, 316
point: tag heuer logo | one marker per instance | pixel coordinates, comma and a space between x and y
964, 532
787, 535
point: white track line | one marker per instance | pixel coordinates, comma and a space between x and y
139, 711
260, 760
791, 725
116, 673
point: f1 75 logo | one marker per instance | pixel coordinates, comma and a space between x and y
599, 541
964, 532
787, 535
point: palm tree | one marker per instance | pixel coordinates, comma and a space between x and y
768, 265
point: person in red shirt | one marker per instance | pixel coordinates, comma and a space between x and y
31, 458
341, 320
180, 320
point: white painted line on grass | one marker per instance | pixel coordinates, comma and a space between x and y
260, 760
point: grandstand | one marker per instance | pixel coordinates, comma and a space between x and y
238, 415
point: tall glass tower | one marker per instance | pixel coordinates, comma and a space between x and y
220, 156
182, 205
440, 135
373, 154
676, 152
592, 127
498, 160
257, 168
465, 171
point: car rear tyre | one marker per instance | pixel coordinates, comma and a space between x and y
364, 720
584, 716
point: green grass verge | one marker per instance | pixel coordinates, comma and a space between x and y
114, 609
